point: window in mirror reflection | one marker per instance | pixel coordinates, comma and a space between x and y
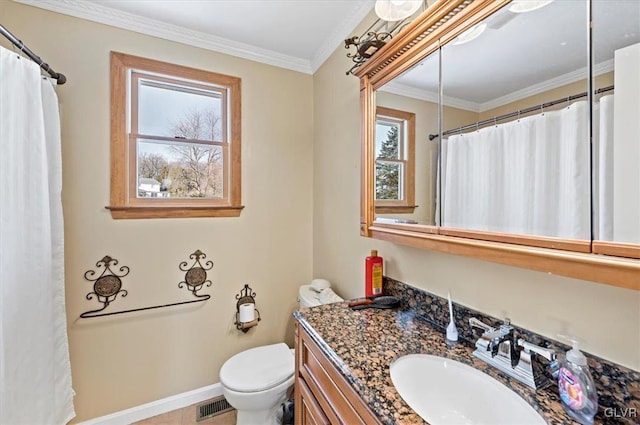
394, 174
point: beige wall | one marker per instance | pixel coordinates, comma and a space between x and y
608, 318
127, 360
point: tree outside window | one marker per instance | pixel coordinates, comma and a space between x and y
395, 144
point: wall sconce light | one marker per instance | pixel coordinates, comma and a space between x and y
247, 315
394, 15
371, 40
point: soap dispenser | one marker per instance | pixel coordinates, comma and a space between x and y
575, 384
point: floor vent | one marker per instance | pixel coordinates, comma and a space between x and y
211, 408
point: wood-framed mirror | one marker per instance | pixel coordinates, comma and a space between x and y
471, 98
616, 128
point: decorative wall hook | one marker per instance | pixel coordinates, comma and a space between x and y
108, 285
247, 315
196, 275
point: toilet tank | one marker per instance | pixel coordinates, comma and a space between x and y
309, 297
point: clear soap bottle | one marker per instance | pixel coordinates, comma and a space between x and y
577, 389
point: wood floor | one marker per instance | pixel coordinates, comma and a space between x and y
187, 416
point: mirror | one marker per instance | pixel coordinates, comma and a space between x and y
521, 166
508, 165
616, 124
412, 197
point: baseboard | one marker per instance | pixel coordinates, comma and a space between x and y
157, 407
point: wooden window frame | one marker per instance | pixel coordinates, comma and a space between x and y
406, 149
124, 202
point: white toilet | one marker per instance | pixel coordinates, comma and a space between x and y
257, 381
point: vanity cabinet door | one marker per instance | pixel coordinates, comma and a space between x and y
323, 394
310, 411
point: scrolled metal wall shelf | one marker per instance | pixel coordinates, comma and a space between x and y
108, 285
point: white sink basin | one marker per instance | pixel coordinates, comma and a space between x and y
444, 391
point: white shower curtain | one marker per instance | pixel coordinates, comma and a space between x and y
603, 168
35, 374
529, 176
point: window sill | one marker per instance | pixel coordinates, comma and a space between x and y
129, 212
395, 209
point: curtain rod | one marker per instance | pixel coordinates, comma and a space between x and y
517, 113
19, 44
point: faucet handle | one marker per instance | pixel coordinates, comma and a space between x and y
475, 323
547, 353
506, 327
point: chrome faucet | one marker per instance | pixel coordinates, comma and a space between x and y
503, 349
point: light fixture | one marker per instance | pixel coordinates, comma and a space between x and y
371, 40
524, 6
396, 10
470, 34
393, 16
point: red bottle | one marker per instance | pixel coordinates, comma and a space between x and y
373, 275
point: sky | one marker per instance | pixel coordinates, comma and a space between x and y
160, 109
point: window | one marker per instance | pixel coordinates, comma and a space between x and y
175, 141
395, 145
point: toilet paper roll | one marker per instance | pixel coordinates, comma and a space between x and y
247, 312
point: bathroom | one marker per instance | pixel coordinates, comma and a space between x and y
301, 132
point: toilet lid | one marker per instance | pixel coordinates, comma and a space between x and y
258, 369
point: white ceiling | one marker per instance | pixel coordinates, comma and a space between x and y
519, 55
293, 34
503, 64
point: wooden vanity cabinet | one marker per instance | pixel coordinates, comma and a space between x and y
322, 395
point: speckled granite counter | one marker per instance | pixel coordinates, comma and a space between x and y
363, 343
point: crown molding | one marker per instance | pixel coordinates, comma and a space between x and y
554, 83
428, 96
337, 36
93, 11
562, 80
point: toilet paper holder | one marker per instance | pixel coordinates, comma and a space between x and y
247, 316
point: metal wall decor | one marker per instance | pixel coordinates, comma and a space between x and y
108, 285
196, 275
246, 300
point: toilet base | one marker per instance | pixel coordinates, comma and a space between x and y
258, 417
259, 408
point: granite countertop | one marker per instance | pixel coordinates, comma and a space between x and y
363, 343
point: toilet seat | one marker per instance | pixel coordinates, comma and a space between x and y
258, 369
